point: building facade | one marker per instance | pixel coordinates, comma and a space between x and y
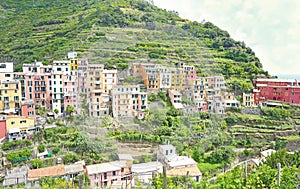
128, 100
283, 90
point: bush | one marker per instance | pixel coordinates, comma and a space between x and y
17, 156
16, 143
55, 150
41, 148
37, 163
70, 157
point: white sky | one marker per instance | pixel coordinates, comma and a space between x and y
270, 27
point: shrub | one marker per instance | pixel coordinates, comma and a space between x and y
37, 163
70, 157
55, 150
41, 148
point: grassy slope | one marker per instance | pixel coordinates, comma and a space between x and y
120, 32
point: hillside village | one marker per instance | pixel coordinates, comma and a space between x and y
60, 90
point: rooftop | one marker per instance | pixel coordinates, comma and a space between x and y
102, 168
179, 161
74, 168
275, 80
193, 171
57, 170
174, 92
146, 167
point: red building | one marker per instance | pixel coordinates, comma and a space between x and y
28, 108
2, 128
283, 90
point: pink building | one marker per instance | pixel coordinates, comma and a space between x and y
71, 90
103, 175
38, 83
215, 82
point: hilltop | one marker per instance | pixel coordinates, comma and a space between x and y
120, 32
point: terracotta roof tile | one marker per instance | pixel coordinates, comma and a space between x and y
35, 174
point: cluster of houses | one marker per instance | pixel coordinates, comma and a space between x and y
183, 85
122, 173
59, 85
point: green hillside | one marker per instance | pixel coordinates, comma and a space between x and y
119, 32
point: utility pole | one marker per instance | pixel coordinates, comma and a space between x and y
80, 181
246, 173
279, 173
165, 177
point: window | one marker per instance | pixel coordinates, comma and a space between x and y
23, 121
58, 69
12, 122
114, 173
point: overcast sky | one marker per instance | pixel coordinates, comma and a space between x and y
270, 27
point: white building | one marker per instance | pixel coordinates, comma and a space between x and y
6, 67
175, 98
72, 55
59, 70
143, 172
109, 80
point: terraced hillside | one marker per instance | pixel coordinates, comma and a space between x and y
263, 129
120, 32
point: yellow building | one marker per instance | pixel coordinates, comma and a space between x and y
151, 77
22, 123
199, 88
248, 100
74, 65
177, 78
10, 97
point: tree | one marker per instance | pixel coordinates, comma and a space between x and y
222, 155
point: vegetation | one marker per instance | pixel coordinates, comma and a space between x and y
123, 31
16, 144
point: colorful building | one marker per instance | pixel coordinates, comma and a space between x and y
28, 109
10, 97
176, 99
38, 84
3, 129
151, 77
178, 78
22, 123
283, 90
248, 100
109, 80
128, 100
190, 74
103, 175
